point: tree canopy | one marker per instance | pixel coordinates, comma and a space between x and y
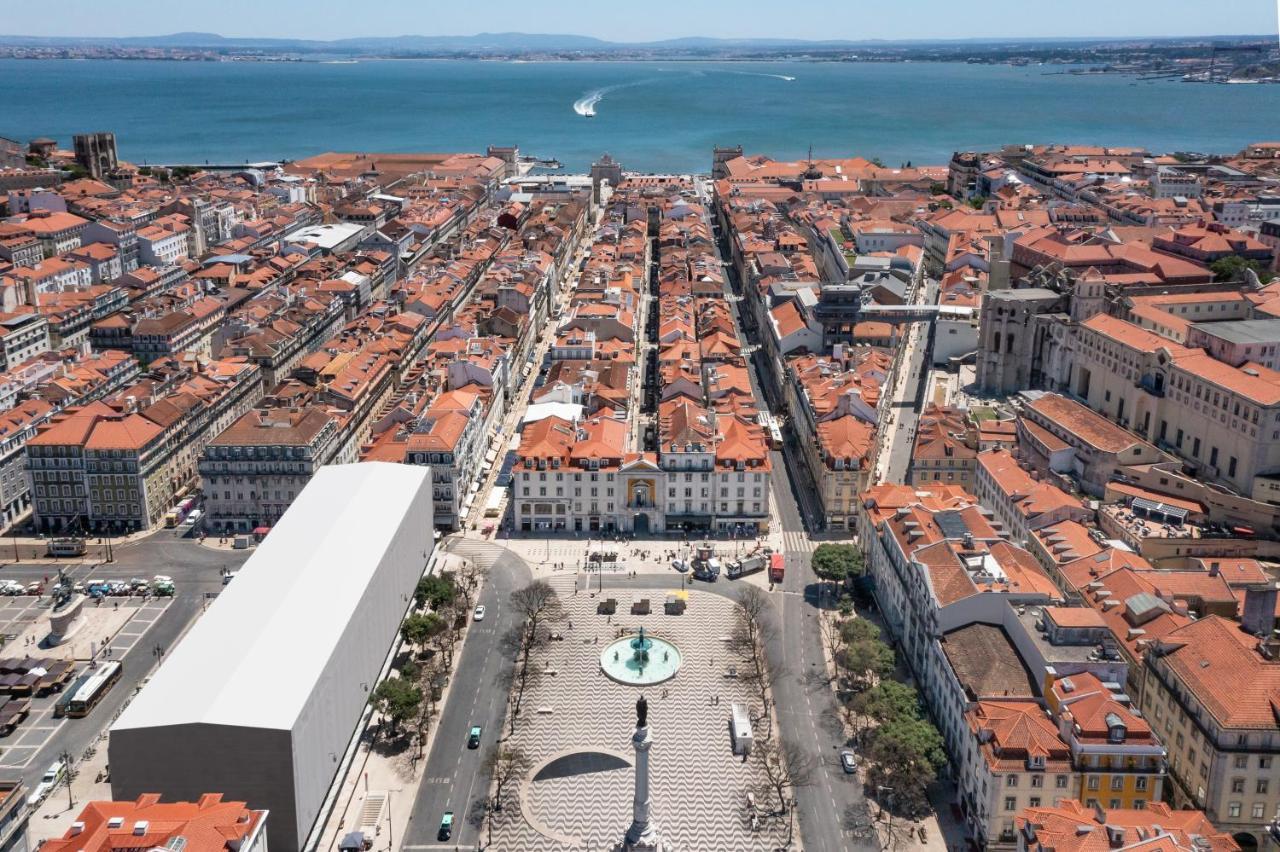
418, 628
436, 590
1233, 268
397, 699
837, 563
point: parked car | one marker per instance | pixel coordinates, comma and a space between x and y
848, 761
446, 826
473, 739
35, 588
479, 613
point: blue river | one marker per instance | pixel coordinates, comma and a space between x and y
652, 116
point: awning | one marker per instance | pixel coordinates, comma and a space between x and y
261, 530
1152, 507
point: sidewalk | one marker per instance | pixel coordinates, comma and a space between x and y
396, 777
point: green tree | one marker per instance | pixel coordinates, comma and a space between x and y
906, 755
436, 590
886, 701
1233, 269
858, 630
837, 563
977, 202
865, 661
397, 699
419, 628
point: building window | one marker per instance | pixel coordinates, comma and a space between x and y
1259, 810
1263, 784
1093, 782
1037, 781
1060, 782
1117, 782
1010, 803
1237, 785
1140, 783
1233, 809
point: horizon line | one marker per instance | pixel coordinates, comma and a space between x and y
980, 39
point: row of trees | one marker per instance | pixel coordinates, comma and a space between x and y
903, 749
431, 633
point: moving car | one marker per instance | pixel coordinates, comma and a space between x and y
848, 761
52, 776
473, 739
446, 826
479, 613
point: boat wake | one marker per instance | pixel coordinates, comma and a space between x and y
763, 74
585, 106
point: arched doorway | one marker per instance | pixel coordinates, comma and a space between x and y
1248, 843
641, 526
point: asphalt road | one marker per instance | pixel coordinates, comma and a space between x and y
195, 570
453, 777
805, 707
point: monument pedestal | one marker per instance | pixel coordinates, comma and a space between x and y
643, 835
66, 620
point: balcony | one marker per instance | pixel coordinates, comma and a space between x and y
1153, 385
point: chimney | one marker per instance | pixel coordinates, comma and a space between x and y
1259, 615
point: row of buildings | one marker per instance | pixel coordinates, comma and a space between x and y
230, 332
1078, 571
644, 419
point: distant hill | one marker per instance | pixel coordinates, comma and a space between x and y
512, 42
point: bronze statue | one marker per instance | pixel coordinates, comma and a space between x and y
642, 713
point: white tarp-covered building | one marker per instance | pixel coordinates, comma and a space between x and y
260, 700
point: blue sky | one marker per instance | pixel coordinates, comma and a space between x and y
653, 19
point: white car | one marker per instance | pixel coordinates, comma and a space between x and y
479, 613
52, 776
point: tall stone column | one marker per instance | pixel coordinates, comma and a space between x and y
643, 834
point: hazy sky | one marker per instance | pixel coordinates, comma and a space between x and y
653, 19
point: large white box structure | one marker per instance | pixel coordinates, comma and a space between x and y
262, 697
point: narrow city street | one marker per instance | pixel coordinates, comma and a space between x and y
806, 709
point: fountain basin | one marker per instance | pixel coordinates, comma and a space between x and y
640, 660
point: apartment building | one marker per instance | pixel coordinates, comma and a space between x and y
206, 825
1118, 760
119, 464
944, 449
252, 471
1212, 692
17, 426
1020, 502
450, 438
1023, 763
1069, 826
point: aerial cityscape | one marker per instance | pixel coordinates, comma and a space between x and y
640, 440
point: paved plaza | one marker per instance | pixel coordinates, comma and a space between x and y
576, 727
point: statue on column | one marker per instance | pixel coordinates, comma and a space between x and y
642, 713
